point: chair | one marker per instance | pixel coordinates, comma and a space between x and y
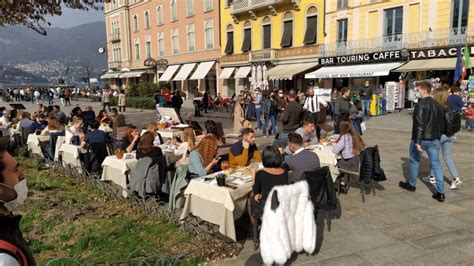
94, 157
24, 135
53, 139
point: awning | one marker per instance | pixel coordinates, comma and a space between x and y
169, 72
111, 75
184, 72
429, 64
202, 70
288, 71
243, 72
132, 74
226, 72
351, 71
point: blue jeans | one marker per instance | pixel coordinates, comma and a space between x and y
365, 107
432, 149
272, 118
447, 147
469, 124
258, 114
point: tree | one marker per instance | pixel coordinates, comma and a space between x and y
32, 13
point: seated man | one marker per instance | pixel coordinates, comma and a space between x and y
25, 121
302, 160
242, 152
308, 133
95, 135
38, 125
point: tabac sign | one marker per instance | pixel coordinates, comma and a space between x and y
441, 52
378, 57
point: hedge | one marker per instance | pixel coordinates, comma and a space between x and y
137, 102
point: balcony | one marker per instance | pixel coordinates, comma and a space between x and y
241, 7
115, 65
416, 40
235, 58
114, 37
263, 55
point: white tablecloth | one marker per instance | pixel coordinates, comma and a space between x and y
217, 205
117, 170
59, 142
33, 143
70, 154
169, 133
328, 158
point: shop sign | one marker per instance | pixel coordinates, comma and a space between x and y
437, 52
362, 58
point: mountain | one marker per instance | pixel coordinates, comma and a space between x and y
13, 75
75, 46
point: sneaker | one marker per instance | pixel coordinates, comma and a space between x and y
430, 179
456, 182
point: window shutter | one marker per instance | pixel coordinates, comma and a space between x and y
267, 37
229, 48
246, 45
311, 30
287, 37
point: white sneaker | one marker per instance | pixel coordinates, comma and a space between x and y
456, 182
430, 179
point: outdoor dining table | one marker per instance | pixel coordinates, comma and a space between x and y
33, 143
169, 133
327, 158
215, 204
70, 155
118, 170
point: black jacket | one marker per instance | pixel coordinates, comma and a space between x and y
291, 117
370, 165
10, 232
321, 189
428, 120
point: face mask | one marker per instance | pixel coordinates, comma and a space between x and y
21, 194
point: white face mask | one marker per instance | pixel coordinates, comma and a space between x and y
21, 194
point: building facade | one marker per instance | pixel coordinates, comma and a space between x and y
168, 41
278, 38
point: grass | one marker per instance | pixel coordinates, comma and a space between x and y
64, 218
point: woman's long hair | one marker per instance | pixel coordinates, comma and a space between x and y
53, 124
207, 147
146, 142
441, 96
189, 137
357, 143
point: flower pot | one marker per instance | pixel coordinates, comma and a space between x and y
119, 155
221, 182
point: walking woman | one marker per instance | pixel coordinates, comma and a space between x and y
446, 141
122, 101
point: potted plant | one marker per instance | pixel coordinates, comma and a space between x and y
119, 153
220, 178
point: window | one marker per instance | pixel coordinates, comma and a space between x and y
342, 31
341, 4
209, 34
460, 11
247, 43
148, 49
311, 34
190, 36
159, 14
116, 52
135, 23
287, 37
189, 8
174, 10
208, 5
393, 24
267, 33
175, 41
229, 47
137, 50
161, 44
147, 19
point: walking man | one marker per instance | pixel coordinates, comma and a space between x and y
428, 126
106, 98
311, 104
291, 117
365, 94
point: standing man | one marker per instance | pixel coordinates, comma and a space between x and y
50, 97
428, 126
281, 105
291, 117
311, 104
342, 108
365, 94
258, 107
106, 98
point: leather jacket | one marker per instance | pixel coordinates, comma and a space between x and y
428, 120
10, 232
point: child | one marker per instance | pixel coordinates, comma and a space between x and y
470, 117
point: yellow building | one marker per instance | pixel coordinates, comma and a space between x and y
282, 36
414, 30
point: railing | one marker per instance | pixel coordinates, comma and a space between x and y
233, 58
244, 6
417, 40
115, 64
114, 37
263, 55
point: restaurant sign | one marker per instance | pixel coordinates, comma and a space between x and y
442, 52
362, 58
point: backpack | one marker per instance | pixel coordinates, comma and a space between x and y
14, 251
452, 122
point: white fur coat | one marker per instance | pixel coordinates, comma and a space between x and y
290, 227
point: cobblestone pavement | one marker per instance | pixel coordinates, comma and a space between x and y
394, 226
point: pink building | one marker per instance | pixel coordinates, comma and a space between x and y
166, 41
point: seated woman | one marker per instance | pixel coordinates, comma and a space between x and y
52, 127
74, 134
202, 160
271, 175
211, 130
153, 128
147, 149
349, 145
131, 139
188, 142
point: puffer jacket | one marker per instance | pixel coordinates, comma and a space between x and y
370, 165
428, 120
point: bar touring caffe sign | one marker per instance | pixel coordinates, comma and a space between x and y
362, 58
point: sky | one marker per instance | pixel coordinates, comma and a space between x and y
72, 17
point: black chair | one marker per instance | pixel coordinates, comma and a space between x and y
97, 152
24, 135
53, 139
